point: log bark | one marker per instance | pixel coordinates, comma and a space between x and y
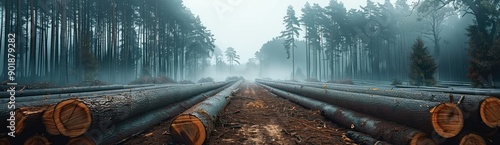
495, 93
493, 139
445, 119
194, 125
25, 93
125, 129
47, 100
375, 127
481, 113
74, 117
364, 139
39, 98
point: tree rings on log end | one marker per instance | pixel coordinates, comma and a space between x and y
4, 141
24, 114
490, 112
447, 120
82, 140
188, 129
37, 140
472, 139
421, 139
70, 118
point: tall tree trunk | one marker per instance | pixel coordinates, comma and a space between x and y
32, 65
7, 26
63, 68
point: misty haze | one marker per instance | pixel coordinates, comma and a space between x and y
94, 72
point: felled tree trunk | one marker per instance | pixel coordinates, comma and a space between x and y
375, 127
445, 119
194, 125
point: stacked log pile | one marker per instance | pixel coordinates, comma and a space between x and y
442, 117
483, 110
100, 117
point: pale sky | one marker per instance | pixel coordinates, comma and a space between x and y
247, 24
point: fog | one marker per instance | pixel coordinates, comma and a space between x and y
71, 42
247, 24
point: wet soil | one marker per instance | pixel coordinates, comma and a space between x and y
254, 116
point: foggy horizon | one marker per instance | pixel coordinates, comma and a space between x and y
241, 21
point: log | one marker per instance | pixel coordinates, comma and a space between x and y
364, 139
472, 139
466, 139
478, 110
37, 140
82, 140
74, 117
4, 141
493, 139
24, 93
490, 112
46, 100
39, 98
135, 125
70, 118
495, 93
27, 117
194, 125
445, 119
375, 127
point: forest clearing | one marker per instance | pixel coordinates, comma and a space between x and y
260, 112
104, 72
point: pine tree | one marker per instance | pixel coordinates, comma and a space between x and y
292, 28
423, 65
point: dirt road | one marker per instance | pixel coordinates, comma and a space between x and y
255, 116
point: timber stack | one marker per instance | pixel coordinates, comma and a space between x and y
439, 116
103, 116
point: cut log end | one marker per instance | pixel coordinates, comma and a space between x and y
447, 120
421, 139
490, 112
82, 140
188, 129
4, 141
26, 115
472, 139
37, 140
70, 118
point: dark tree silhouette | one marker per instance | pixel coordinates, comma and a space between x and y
422, 67
71, 41
482, 34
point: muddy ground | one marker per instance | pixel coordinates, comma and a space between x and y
254, 117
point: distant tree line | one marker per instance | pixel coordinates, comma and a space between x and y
70, 41
375, 41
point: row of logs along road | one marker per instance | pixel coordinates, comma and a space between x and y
111, 114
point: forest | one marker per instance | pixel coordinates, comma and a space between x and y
375, 41
119, 41
102, 72
116, 41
